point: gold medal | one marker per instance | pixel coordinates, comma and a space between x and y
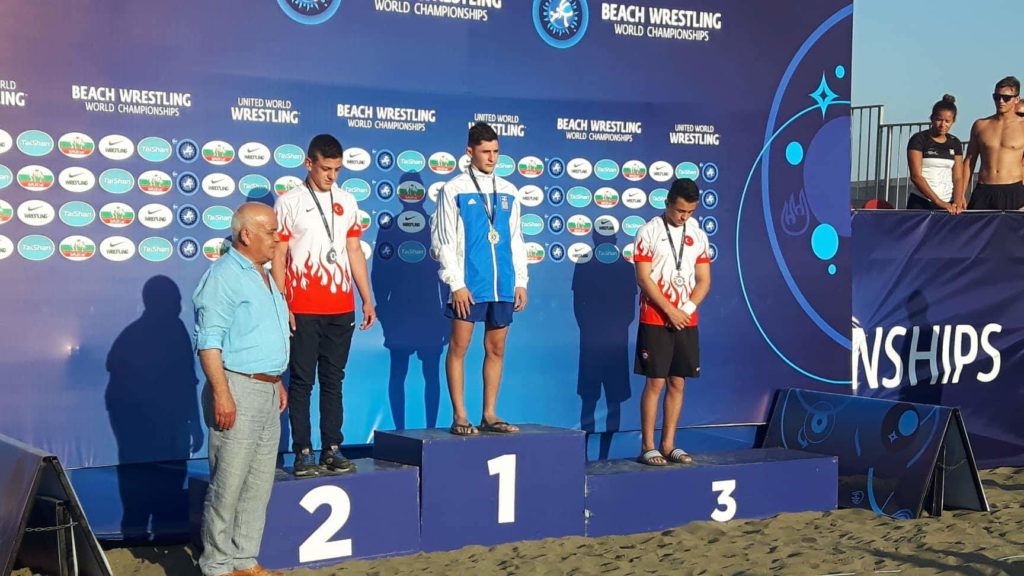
493, 237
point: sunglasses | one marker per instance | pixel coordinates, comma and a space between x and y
1004, 97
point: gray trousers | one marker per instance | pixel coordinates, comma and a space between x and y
242, 463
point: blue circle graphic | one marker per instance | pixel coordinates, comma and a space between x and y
560, 23
840, 71
794, 153
309, 12
824, 98
832, 269
825, 241
908, 423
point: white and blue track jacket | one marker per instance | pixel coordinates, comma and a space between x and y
458, 234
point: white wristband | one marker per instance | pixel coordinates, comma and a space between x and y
689, 307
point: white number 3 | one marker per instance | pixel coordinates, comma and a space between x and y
725, 499
319, 545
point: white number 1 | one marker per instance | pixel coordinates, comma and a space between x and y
319, 545
505, 468
726, 488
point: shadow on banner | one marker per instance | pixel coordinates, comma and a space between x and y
938, 318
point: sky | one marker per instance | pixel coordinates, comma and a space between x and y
908, 53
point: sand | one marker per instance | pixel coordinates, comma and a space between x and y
847, 542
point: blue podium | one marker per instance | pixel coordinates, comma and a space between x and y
370, 513
493, 488
626, 497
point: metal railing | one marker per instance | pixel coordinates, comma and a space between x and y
878, 168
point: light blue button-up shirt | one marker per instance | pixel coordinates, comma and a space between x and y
237, 314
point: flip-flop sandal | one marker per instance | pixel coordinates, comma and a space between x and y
648, 458
497, 427
679, 456
466, 429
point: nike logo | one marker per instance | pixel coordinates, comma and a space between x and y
115, 142
252, 150
216, 181
408, 218
34, 208
153, 211
75, 175
577, 165
310, 209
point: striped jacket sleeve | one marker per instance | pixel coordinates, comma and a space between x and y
444, 239
519, 260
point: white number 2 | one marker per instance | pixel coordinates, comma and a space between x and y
319, 545
505, 468
726, 488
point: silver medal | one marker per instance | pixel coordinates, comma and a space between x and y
677, 280
332, 256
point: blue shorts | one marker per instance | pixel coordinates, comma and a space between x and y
496, 314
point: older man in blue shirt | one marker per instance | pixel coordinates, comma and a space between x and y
242, 339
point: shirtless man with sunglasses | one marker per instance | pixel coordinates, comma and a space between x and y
999, 142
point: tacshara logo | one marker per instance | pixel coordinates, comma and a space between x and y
156, 249
116, 181
154, 149
75, 214
35, 247
35, 143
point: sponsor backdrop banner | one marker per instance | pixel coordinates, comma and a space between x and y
129, 137
938, 319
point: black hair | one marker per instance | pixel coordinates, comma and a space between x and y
683, 188
948, 102
481, 132
324, 146
1009, 82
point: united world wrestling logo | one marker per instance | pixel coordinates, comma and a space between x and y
561, 23
309, 12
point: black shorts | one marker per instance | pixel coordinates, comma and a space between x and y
493, 314
997, 197
662, 352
